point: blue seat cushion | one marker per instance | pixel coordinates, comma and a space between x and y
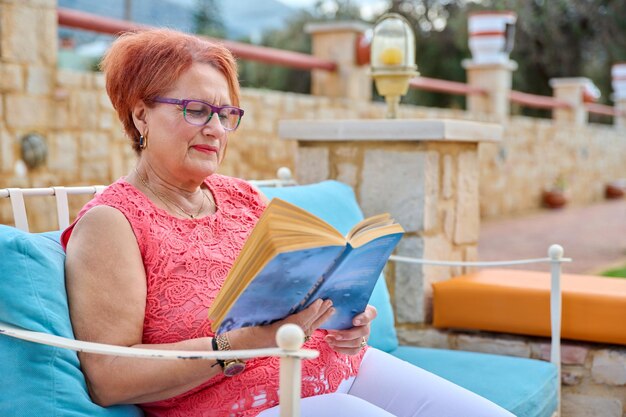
39, 380
335, 203
525, 387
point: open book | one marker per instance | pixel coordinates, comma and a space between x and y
293, 258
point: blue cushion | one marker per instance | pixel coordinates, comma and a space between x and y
525, 387
40, 380
335, 203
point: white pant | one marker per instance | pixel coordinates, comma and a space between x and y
387, 386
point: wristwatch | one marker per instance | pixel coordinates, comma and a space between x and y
230, 367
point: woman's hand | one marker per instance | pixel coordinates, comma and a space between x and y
351, 341
309, 320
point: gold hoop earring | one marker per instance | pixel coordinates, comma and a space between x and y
143, 141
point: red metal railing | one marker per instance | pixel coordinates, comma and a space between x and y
444, 86
87, 21
536, 101
602, 109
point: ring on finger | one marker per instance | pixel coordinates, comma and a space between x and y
363, 342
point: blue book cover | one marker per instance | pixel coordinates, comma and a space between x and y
292, 258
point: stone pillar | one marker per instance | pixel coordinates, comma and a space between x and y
618, 77
496, 80
575, 91
337, 41
424, 172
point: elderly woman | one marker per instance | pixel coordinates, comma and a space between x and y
146, 258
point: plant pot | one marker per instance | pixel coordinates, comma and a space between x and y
613, 192
554, 199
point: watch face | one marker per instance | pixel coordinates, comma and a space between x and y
234, 368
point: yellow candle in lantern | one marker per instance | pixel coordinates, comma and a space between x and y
391, 56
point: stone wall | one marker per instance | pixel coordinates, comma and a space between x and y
87, 145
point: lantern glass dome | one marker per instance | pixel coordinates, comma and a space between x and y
393, 44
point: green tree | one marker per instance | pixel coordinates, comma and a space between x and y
293, 38
208, 19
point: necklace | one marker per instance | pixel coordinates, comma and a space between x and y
168, 201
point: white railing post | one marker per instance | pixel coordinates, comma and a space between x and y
290, 338
555, 252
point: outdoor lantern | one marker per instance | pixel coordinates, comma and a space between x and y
393, 59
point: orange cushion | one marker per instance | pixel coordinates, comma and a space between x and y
512, 301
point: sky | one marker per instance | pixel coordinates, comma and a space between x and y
368, 7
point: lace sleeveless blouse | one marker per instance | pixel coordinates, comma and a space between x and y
186, 262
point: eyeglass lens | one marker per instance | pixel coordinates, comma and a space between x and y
199, 113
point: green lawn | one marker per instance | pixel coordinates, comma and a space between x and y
615, 272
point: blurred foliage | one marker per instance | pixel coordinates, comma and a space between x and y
554, 38
207, 19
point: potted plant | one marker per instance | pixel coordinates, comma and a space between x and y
555, 196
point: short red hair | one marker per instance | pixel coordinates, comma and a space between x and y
143, 65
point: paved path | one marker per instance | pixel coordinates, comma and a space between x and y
594, 236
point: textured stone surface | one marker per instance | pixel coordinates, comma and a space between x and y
29, 112
11, 78
500, 346
7, 150
609, 367
405, 200
575, 405
313, 164
28, 34
570, 354
39, 80
467, 209
408, 292
424, 337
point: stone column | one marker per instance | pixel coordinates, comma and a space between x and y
424, 172
574, 91
337, 41
618, 80
495, 79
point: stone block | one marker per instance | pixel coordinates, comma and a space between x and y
408, 291
393, 181
609, 367
84, 111
11, 78
7, 150
467, 207
28, 34
570, 354
578, 405
424, 337
572, 377
94, 146
71, 78
312, 164
348, 174
448, 177
498, 346
431, 192
38, 80
63, 155
27, 112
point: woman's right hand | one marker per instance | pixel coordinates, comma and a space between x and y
309, 320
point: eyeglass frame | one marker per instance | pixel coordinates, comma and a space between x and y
214, 109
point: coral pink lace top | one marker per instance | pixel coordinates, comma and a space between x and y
186, 262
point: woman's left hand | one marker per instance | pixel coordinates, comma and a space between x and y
351, 341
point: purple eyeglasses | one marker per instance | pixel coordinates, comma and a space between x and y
199, 113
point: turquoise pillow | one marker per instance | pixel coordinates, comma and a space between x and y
40, 380
525, 387
335, 203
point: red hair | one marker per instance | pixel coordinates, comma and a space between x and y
140, 66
